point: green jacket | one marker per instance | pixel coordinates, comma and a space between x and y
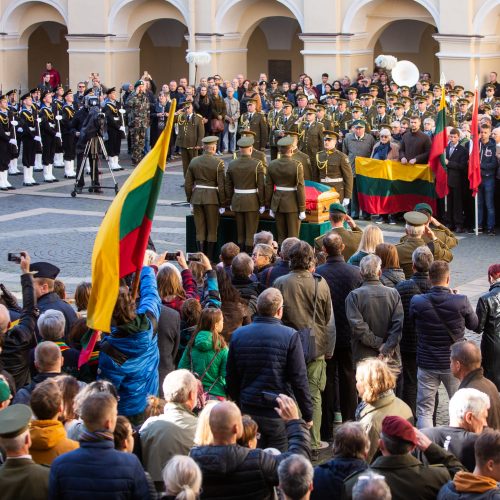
214, 381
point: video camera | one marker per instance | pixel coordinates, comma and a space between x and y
92, 101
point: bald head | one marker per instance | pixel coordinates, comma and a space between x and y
4, 318
225, 423
48, 358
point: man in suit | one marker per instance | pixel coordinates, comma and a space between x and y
457, 160
321, 87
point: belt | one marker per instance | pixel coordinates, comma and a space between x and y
245, 191
283, 188
206, 187
329, 179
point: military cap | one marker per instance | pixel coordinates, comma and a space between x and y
301, 96
367, 96
405, 87
246, 141
34, 91
458, 87
436, 86
462, 100
428, 94
392, 95
209, 139
110, 90
251, 101
425, 82
320, 106
381, 102
497, 102
398, 104
423, 207
351, 90
185, 104
288, 103
342, 100
69, 91
359, 124
356, 108
334, 94
415, 218
486, 106
310, 109
468, 93
45, 93
419, 98
44, 270
330, 134
87, 92
405, 99
5, 393
291, 133
452, 93
10, 92
336, 208
274, 80
279, 98
138, 82
399, 428
247, 132
58, 87
3, 97
25, 96
14, 420
285, 141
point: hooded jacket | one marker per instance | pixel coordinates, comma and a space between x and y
391, 277
48, 441
468, 486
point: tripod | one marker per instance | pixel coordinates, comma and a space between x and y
93, 147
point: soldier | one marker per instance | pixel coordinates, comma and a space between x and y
204, 186
245, 191
190, 135
27, 130
57, 106
50, 135
334, 168
300, 110
285, 193
311, 140
68, 135
138, 120
342, 118
381, 118
422, 110
273, 121
258, 155
116, 131
463, 115
7, 143
357, 114
352, 97
284, 123
298, 155
13, 117
322, 118
345, 227
417, 228
256, 122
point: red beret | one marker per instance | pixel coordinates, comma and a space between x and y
400, 428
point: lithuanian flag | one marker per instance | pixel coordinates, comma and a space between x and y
437, 157
122, 239
388, 187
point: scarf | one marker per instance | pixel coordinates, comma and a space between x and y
381, 151
94, 437
363, 404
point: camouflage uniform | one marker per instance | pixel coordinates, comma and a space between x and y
138, 122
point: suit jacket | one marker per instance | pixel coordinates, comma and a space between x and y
320, 89
285, 172
457, 166
23, 479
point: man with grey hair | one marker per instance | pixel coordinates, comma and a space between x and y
375, 315
172, 433
282, 266
295, 475
468, 410
419, 282
265, 237
266, 358
371, 486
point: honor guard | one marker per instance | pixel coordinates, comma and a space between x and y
311, 140
285, 192
298, 155
28, 131
284, 123
342, 118
7, 143
256, 122
14, 119
36, 105
334, 168
115, 128
463, 115
57, 106
245, 192
321, 117
204, 186
300, 110
274, 123
50, 136
190, 134
68, 135
258, 155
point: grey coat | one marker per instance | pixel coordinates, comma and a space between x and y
353, 147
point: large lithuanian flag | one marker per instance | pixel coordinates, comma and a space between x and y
122, 239
388, 187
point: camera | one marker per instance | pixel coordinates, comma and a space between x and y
14, 257
172, 255
92, 101
193, 257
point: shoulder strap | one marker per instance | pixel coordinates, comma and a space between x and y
268, 276
315, 297
208, 368
448, 331
115, 354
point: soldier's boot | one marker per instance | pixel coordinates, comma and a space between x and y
6, 180
13, 170
113, 161
117, 165
210, 250
3, 181
59, 160
38, 163
52, 177
28, 177
46, 174
199, 246
69, 172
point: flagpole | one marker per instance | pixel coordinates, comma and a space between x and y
442, 82
476, 103
476, 215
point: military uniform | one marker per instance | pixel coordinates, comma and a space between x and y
27, 130
115, 131
204, 186
310, 143
289, 197
57, 107
350, 237
6, 147
257, 123
48, 129
189, 136
341, 120
245, 191
138, 121
301, 157
335, 171
273, 121
69, 140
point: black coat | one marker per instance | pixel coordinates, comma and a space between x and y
169, 326
417, 284
488, 312
234, 472
458, 164
342, 278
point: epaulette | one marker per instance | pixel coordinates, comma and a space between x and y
197, 114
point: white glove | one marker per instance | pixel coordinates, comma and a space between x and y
14, 123
231, 208
262, 210
271, 213
77, 133
20, 129
346, 202
302, 215
38, 138
13, 142
222, 210
122, 129
58, 135
190, 207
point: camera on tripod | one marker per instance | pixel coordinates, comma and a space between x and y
92, 101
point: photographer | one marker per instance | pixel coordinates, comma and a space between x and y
16, 343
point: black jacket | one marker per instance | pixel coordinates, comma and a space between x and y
21, 339
457, 166
487, 154
169, 326
342, 278
267, 356
266, 278
417, 284
235, 472
23, 395
249, 291
488, 312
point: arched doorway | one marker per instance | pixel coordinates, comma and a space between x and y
47, 43
274, 48
420, 48
163, 48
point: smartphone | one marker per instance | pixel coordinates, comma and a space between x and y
14, 257
193, 257
269, 398
171, 255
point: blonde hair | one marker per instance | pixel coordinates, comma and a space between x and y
182, 478
203, 435
372, 236
375, 377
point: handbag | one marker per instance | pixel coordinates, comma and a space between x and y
307, 335
216, 125
201, 396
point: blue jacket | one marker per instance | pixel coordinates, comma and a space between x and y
267, 356
488, 158
137, 377
97, 471
438, 316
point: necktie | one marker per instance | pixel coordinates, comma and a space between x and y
250, 117
452, 149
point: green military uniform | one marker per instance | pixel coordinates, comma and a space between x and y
190, 133
257, 123
341, 120
311, 142
138, 121
335, 170
256, 154
245, 191
204, 186
273, 121
289, 197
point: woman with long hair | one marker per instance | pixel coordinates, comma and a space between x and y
206, 354
372, 236
182, 478
218, 112
392, 274
201, 105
